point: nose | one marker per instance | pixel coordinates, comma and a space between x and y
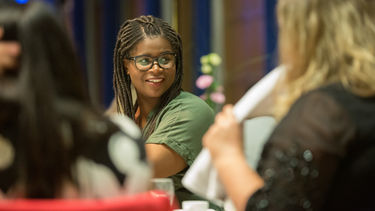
155, 67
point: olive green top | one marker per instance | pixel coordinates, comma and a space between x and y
180, 126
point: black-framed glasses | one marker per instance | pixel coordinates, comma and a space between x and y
144, 63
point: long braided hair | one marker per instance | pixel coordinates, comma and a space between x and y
131, 33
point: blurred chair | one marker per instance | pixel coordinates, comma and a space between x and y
256, 133
141, 202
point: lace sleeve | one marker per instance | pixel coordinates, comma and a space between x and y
300, 159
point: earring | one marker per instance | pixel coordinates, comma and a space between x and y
134, 94
6, 153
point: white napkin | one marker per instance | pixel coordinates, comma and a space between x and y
202, 178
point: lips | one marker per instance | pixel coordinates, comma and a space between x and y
155, 80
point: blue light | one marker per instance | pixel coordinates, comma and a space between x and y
21, 1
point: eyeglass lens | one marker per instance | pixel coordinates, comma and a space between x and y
144, 63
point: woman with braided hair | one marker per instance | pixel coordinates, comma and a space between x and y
147, 84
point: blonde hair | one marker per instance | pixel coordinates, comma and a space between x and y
325, 41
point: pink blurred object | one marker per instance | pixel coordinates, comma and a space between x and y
204, 81
217, 97
203, 97
220, 89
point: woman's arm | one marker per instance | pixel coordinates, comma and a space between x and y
165, 161
240, 180
224, 141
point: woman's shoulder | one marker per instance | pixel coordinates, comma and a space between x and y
187, 99
325, 94
338, 95
187, 106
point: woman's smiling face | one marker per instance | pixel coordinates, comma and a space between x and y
154, 82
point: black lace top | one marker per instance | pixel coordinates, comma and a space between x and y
321, 156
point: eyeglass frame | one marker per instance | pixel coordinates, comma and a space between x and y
154, 59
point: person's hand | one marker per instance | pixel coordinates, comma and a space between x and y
225, 143
224, 137
9, 52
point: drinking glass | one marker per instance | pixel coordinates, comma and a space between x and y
195, 205
165, 185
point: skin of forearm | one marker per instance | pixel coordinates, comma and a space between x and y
239, 179
164, 160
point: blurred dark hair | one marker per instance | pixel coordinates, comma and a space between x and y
47, 116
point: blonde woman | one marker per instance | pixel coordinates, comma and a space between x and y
321, 156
